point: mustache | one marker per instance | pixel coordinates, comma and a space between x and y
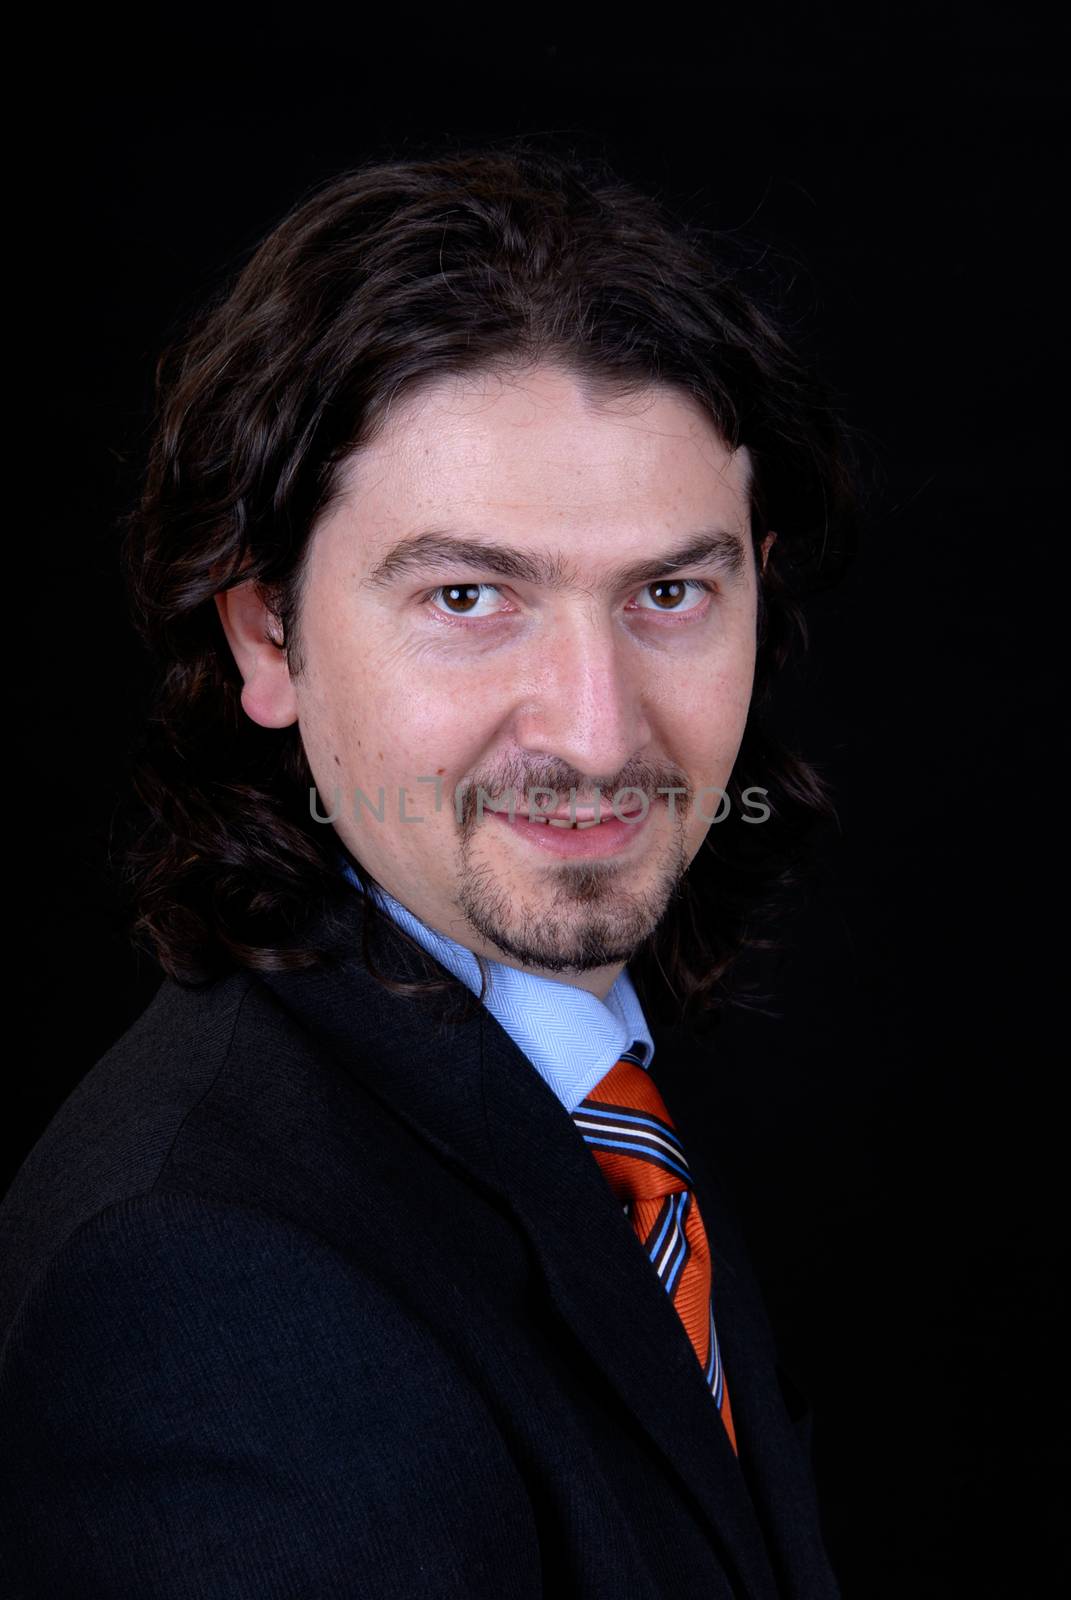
520, 781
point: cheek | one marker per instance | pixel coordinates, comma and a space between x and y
709, 728
707, 702
406, 721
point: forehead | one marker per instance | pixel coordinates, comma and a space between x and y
537, 459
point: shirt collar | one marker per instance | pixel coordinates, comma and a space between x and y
571, 1037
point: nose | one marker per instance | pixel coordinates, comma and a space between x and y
585, 704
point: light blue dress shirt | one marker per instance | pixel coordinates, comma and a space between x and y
571, 1037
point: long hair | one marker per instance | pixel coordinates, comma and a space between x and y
388, 277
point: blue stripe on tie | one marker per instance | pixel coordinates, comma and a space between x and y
717, 1376
682, 1206
652, 1250
675, 1219
639, 1138
623, 1144
675, 1214
628, 1116
647, 1138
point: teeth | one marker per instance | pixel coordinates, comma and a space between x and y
563, 822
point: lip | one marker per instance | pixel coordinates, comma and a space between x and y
606, 838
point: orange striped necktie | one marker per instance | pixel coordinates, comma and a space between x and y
625, 1123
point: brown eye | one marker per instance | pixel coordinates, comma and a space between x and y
460, 597
461, 600
668, 593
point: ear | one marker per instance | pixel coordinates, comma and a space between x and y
255, 636
765, 547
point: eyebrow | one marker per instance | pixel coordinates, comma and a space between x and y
711, 547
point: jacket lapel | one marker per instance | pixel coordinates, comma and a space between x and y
469, 1092
772, 1457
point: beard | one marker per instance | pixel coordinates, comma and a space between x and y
586, 916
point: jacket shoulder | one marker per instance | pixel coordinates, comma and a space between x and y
112, 1136
231, 1407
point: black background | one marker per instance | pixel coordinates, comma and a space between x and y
894, 1116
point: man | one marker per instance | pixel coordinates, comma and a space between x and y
384, 1255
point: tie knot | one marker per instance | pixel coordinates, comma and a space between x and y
625, 1122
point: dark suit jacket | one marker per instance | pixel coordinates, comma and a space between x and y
308, 1294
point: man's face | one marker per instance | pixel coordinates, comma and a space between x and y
431, 677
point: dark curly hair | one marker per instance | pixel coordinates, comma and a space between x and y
394, 274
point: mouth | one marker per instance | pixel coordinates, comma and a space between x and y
578, 833
572, 816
